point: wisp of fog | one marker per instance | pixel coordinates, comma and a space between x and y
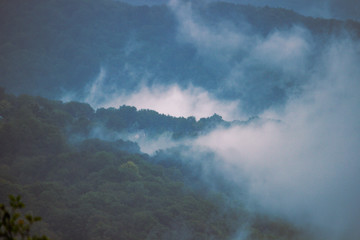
304, 167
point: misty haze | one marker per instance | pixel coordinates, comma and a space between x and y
179, 120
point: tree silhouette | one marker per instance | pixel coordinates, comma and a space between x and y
14, 225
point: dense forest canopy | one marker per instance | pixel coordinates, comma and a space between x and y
95, 189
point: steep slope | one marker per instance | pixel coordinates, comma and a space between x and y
57, 48
94, 189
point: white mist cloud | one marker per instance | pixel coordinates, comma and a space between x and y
171, 100
260, 70
224, 39
306, 168
94, 87
286, 50
148, 144
151, 144
220, 40
285, 54
179, 102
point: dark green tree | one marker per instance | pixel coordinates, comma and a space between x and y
14, 225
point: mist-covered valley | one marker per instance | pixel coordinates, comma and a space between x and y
182, 120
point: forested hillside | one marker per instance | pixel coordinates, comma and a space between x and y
184, 120
53, 48
94, 189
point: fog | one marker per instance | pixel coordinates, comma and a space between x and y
166, 99
259, 71
297, 158
221, 41
262, 71
305, 167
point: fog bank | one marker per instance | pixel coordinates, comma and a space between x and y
306, 168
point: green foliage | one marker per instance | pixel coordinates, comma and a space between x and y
129, 119
131, 166
15, 225
94, 189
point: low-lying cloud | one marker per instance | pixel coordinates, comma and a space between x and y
307, 167
285, 50
170, 100
304, 168
260, 70
148, 144
220, 41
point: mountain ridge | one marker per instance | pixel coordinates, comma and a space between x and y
58, 47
